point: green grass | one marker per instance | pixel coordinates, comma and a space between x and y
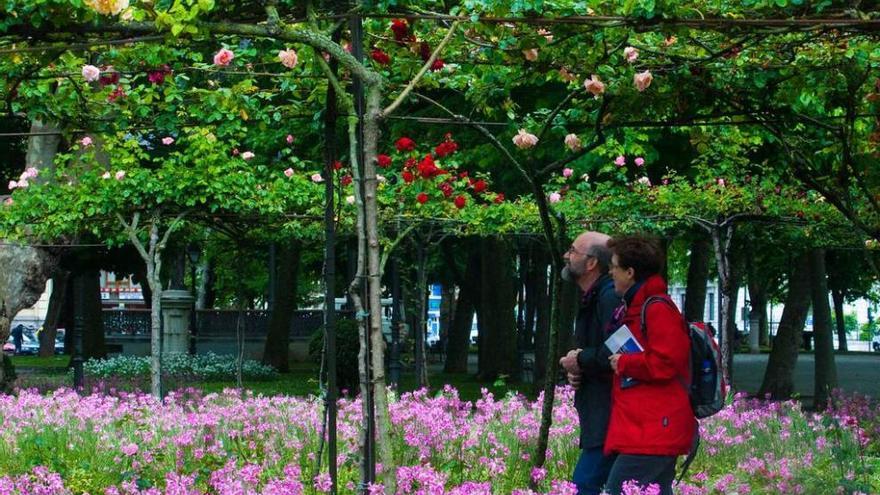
301, 380
40, 362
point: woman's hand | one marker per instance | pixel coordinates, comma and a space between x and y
613, 359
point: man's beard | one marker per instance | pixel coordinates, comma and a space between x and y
568, 274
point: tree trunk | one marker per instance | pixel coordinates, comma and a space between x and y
374, 286
826, 369
498, 293
93, 346
276, 351
542, 321
205, 293
421, 292
447, 313
839, 320
22, 280
697, 278
53, 313
458, 347
721, 239
779, 376
758, 307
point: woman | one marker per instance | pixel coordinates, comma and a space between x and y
651, 418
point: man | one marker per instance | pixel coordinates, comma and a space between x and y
18, 337
587, 367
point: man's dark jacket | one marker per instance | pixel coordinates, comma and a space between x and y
593, 399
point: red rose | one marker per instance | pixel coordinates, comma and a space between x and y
499, 198
346, 180
109, 78
445, 148
437, 65
425, 51
410, 163
383, 161
446, 189
405, 144
480, 186
116, 94
407, 176
381, 57
422, 198
400, 28
427, 167
460, 201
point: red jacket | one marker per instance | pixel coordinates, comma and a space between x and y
654, 416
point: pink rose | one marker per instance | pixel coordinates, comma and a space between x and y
86, 141
566, 75
223, 57
91, 73
247, 155
289, 139
23, 183
12, 185
531, 54
554, 197
642, 80
620, 161
566, 172
317, 178
167, 141
722, 182
288, 58
573, 142
630, 53
594, 85
120, 175
31, 172
524, 140
639, 161
289, 172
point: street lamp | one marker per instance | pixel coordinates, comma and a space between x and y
193, 252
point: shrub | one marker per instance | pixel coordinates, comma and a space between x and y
347, 348
208, 367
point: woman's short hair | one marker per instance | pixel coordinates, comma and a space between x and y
641, 253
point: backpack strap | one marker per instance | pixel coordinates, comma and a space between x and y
644, 326
691, 455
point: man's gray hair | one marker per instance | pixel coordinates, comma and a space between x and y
602, 255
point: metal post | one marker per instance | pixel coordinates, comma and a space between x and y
330, 279
394, 365
77, 359
193, 323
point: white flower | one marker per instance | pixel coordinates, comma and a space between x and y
12, 185
106, 175
644, 181
167, 141
247, 155
349, 200
524, 140
91, 73
380, 178
120, 175
630, 53
317, 178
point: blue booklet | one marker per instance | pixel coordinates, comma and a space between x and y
622, 341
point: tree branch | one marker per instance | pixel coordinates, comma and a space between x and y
412, 84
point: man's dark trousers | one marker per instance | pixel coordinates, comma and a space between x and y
591, 471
